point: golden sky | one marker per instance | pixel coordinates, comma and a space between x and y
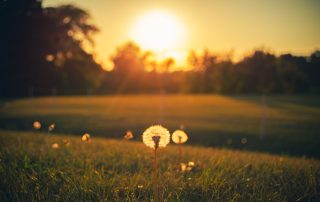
221, 26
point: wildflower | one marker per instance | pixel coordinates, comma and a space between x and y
128, 135
179, 137
156, 136
140, 186
55, 146
86, 137
51, 127
36, 125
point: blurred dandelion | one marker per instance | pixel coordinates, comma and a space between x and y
179, 137
36, 125
183, 167
51, 127
128, 135
187, 167
155, 137
191, 164
55, 146
66, 142
86, 137
244, 140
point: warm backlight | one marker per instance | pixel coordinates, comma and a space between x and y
158, 31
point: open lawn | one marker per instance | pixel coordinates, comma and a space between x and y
290, 124
119, 170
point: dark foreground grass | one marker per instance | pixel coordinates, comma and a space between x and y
118, 170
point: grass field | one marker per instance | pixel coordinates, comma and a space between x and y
291, 123
119, 170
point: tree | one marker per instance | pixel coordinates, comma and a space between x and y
44, 48
291, 74
129, 59
313, 71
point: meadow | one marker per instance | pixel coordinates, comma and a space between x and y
289, 124
233, 162
120, 170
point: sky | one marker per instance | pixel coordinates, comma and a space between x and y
225, 26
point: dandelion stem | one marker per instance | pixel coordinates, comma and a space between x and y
155, 177
180, 153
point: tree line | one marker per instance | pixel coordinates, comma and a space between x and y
51, 51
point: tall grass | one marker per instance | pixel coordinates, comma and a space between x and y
111, 170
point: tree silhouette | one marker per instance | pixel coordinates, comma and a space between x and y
43, 49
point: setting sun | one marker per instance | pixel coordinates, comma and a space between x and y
158, 31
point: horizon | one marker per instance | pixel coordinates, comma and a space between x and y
245, 26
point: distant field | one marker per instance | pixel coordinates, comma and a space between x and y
291, 123
118, 170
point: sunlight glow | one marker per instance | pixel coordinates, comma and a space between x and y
158, 31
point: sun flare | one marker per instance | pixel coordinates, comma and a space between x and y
158, 31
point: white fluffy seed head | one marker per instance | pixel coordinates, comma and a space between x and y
179, 137
156, 136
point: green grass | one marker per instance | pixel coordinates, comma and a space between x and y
118, 170
292, 123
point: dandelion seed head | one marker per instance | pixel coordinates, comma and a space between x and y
51, 127
156, 136
36, 125
55, 146
179, 137
128, 135
244, 140
86, 137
